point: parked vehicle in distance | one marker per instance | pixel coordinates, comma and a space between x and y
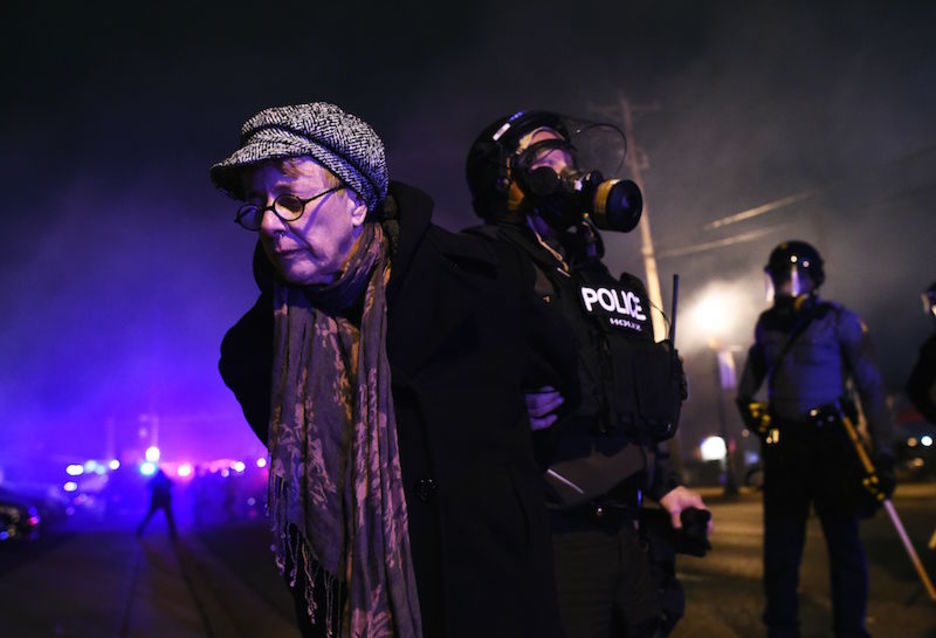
19, 518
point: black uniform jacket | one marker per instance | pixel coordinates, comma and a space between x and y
466, 338
921, 385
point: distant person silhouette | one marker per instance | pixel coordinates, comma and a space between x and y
200, 501
160, 499
230, 497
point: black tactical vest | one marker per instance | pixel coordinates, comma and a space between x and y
631, 387
633, 384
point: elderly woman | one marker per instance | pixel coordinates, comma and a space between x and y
385, 365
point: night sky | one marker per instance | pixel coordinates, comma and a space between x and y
122, 268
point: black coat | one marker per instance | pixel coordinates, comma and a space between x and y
466, 338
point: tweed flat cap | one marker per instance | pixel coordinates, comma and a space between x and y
341, 142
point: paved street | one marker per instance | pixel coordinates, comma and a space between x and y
221, 583
724, 588
217, 584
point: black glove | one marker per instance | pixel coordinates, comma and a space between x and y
887, 480
692, 539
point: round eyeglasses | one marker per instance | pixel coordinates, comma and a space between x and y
287, 207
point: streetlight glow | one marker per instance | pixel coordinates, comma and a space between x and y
720, 313
713, 449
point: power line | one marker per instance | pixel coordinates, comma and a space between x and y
825, 189
759, 210
721, 243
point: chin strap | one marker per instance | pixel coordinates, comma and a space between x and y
552, 251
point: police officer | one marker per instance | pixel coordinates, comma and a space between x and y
535, 191
921, 385
807, 349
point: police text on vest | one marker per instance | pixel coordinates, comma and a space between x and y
612, 300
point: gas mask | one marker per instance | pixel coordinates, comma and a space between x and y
565, 199
571, 176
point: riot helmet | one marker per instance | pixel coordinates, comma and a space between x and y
512, 170
797, 263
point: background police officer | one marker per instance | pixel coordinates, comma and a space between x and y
921, 385
529, 183
807, 350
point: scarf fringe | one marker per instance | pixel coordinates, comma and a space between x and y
296, 548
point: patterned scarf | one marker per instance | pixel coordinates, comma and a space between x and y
334, 462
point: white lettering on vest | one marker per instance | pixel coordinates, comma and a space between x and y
606, 299
635, 305
611, 300
589, 296
624, 323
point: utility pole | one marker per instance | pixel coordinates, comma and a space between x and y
646, 239
636, 160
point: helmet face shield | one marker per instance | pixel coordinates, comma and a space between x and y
789, 283
587, 146
599, 147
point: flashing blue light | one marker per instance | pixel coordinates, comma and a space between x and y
147, 469
152, 454
114, 464
4, 535
71, 486
90, 466
74, 470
